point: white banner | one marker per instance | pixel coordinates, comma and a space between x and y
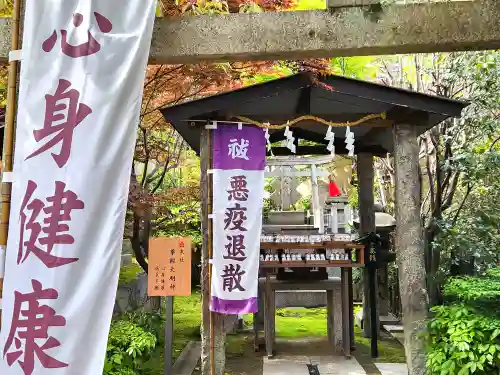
82, 75
236, 241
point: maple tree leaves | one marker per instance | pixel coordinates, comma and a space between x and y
175, 8
159, 147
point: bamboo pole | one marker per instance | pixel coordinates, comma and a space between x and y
8, 141
210, 249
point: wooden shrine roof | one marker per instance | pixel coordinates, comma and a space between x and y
284, 99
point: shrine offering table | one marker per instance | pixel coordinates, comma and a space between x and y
269, 285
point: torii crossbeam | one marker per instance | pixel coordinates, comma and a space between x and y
345, 31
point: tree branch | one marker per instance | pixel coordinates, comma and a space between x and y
451, 191
457, 213
429, 172
136, 243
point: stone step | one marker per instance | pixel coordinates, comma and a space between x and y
392, 368
189, 358
393, 328
385, 320
297, 365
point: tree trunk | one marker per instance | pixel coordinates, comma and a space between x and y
433, 262
154, 304
367, 225
410, 247
219, 336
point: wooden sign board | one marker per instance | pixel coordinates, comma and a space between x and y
169, 267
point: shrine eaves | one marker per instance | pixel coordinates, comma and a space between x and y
285, 99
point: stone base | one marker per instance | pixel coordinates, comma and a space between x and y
131, 296
307, 295
301, 298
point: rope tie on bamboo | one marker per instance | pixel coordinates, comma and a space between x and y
15, 55
7, 177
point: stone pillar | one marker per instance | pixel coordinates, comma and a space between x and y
383, 289
410, 246
366, 223
316, 207
286, 188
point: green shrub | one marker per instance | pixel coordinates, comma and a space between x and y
128, 347
129, 273
149, 321
494, 272
482, 292
463, 342
464, 336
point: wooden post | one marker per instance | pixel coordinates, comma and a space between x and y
268, 317
367, 224
169, 335
410, 246
351, 309
212, 333
330, 317
205, 277
213, 352
8, 141
346, 321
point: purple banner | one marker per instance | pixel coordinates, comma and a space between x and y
235, 148
234, 307
239, 157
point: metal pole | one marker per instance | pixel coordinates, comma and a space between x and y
372, 276
8, 141
169, 334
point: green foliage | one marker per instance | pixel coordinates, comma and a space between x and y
184, 222
129, 273
203, 7
128, 347
352, 197
467, 233
482, 292
278, 70
293, 323
463, 342
494, 272
151, 322
186, 328
303, 204
361, 67
464, 337
472, 230
6, 8
267, 206
310, 5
